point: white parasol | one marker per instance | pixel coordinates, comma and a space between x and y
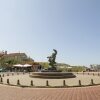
27, 65
18, 65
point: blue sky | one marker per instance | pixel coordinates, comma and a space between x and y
38, 26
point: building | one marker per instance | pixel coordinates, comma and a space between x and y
14, 58
95, 67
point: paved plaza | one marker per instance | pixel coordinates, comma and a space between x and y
74, 93
79, 93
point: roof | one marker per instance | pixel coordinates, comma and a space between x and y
15, 54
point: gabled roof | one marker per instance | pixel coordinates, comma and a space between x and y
14, 54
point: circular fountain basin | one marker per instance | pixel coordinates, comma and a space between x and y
52, 75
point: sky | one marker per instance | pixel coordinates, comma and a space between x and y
36, 27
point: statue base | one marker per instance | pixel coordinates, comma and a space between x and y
50, 69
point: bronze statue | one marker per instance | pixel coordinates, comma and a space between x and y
52, 59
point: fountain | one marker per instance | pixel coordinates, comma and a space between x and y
52, 71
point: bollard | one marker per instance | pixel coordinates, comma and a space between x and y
12, 74
88, 73
8, 81
31, 83
47, 83
93, 74
18, 82
98, 74
80, 83
64, 83
1, 80
17, 73
92, 82
3, 75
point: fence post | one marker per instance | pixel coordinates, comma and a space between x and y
18, 82
64, 83
3, 75
47, 83
8, 81
1, 80
92, 82
12, 74
31, 83
17, 73
80, 83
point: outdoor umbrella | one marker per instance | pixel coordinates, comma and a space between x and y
27, 65
18, 65
69, 67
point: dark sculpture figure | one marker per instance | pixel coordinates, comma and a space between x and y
52, 59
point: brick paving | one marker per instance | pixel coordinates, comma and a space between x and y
78, 93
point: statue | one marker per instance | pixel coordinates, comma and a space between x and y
52, 59
52, 72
